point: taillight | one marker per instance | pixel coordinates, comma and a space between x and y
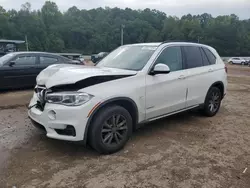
226, 68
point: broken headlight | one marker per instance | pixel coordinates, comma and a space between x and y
68, 98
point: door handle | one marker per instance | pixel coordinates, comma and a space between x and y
181, 77
210, 70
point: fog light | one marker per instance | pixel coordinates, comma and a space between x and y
52, 114
68, 131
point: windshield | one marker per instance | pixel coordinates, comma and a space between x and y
5, 58
128, 57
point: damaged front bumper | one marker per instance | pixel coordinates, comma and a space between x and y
59, 121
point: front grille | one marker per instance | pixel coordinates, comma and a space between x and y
40, 106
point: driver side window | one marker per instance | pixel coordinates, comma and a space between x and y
172, 57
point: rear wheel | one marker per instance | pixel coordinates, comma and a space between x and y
231, 62
242, 63
110, 129
212, 102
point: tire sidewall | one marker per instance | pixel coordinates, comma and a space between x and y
96, 128
206, 104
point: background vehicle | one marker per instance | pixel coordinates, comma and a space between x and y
237, 60
248, 62
97, 57
7, 46
75, 57
19, 69
134, 84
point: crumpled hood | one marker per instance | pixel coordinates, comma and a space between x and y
63, 74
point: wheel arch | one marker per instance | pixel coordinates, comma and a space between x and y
220, 85
125, 102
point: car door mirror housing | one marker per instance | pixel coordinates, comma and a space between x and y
160, 69
12, 63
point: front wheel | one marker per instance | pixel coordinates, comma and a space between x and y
212, 102
110, 129
242, 63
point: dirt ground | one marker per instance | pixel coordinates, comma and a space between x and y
185, 150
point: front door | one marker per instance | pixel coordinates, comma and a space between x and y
166, 93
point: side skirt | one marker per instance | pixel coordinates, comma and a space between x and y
166, 115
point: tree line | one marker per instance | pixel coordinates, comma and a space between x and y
95, 30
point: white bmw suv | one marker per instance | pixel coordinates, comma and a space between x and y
134, 84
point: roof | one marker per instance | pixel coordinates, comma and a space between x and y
31, 52
12, 41
69, 54
147, 44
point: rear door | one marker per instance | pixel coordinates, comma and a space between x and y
22, 72
200, 71
47, 60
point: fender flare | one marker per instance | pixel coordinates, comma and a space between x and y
216, 84
109, 101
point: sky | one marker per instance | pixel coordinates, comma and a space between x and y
171, 7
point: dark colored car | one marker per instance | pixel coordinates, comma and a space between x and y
98, 57
19, 69
248, 63
74, 56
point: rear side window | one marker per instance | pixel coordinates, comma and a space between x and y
211, 57
193, 57
25, 60
204, 58
48, 60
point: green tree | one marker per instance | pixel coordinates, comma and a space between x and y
95, 30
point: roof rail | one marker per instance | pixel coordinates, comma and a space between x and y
167, 41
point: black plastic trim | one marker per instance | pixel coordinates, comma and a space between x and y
87, 82
104, 104
216, 83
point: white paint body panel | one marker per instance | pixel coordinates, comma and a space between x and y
199, 81
68, 74
165, 93
154, 96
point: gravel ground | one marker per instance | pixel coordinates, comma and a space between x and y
186, 150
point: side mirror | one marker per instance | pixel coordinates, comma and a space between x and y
160, 69
12, 63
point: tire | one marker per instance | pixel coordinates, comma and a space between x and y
108, 134
231, 62
242, 63
212, 102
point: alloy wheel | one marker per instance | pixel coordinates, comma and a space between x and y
214, 102
114, 130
